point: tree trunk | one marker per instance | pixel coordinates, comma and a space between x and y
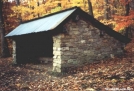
19, 18
106, 10
17, 2
38, 4
4, 45
127, 9
90, 8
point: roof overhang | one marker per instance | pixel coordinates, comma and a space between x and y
46, 23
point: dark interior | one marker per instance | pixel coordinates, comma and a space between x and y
31, 47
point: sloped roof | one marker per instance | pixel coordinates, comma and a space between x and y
42, 24
52, 21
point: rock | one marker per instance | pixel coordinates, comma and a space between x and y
90, 89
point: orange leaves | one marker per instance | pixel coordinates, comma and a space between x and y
116, 12
122, 25
31, 9
124, 2
124, 21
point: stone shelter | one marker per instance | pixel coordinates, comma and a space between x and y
68, 38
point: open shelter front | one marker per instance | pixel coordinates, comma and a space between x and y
33, 47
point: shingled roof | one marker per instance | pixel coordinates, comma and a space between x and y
52, 21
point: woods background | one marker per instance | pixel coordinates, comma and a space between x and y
117, 14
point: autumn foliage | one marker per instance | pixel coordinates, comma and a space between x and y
30, 9
124, 21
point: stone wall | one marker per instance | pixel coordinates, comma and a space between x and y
82, 44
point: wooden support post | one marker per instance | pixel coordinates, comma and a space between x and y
14, 52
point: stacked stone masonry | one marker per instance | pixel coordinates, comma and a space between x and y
14, 52
82, 44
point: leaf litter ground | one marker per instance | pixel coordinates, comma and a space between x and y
117, 73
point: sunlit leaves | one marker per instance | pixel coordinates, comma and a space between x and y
124, 21
108, 22
116, 13
30, 9
56, 9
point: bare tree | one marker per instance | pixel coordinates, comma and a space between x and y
90, 8
18, 2
127, 29
106, 10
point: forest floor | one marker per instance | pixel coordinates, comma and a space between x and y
112, 74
